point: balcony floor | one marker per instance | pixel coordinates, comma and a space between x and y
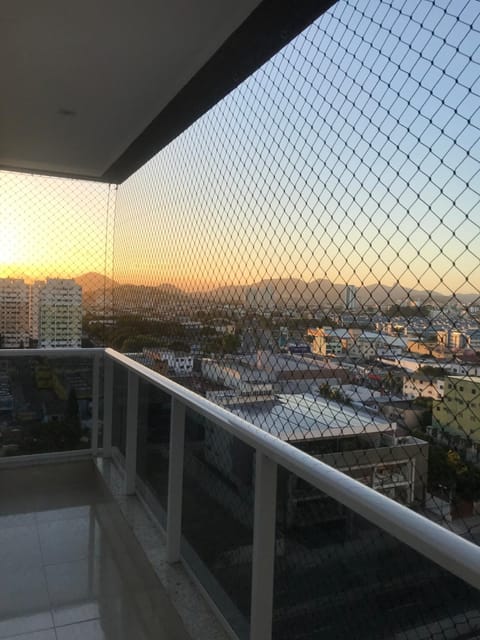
70, 565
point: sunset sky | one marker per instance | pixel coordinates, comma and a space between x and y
353, 155
52, 227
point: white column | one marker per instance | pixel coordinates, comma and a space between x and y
131, 440
175, 480
95, 403
107, 407
263, 561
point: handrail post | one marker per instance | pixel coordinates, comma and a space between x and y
107, 407
175, 480
263, 557
131, 440
95, 403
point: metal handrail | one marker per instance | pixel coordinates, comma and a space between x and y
48, 352
445, 548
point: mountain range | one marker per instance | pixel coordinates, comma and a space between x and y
283, 290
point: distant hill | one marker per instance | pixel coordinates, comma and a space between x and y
294, 291
93, 281
323, 292
142, 297
381, 294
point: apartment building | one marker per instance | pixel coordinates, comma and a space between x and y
327, 341
13, 313
361, 445
350, 297
56, 313
456, 417
419, 385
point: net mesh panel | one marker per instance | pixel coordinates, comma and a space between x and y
339, 576
306, 255
55, 252
55, 260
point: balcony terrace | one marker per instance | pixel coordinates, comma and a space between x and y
71, 566
258, 551
235, 181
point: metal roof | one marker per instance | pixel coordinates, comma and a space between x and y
300, 417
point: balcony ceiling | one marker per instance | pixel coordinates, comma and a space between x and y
93, 89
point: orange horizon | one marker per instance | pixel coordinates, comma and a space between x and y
191, 286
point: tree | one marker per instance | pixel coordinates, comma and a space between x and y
447, 469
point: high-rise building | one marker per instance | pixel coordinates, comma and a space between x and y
33, 311
13, 313
350, 297
56, 313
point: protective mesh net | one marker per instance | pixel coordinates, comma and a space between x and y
55, 249
55, 254
306, 255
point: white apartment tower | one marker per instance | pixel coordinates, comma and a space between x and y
350, 297
13, 313
56, 313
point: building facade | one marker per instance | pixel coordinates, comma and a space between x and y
327, 341
418, 385
456, 417
56, 313
14, 331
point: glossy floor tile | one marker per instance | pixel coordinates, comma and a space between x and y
47, 634
70, 566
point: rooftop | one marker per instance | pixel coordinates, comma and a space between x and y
302, 417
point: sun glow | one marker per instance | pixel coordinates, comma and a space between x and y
51, 227
10, 245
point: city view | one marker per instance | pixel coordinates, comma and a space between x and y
392, 363
298, 269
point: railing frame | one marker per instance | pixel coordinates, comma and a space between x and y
107, 407
263, 558
132, 428
455, 554
443, 547
175, 480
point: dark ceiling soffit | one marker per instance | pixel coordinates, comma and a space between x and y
267, 29
51, 174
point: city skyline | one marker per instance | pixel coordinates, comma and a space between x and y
94, 281
374, 180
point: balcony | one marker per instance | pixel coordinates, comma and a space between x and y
263, 219
71, 566
279, 545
